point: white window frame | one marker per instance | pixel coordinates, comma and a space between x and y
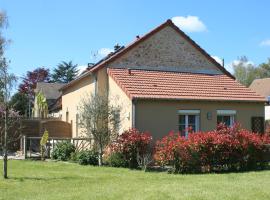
186, 113
230, 113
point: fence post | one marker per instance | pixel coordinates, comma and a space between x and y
49, 148
24, 147
72, 141
52, 144
30, 144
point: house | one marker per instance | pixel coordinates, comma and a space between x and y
165, 81
53, 98
262, 87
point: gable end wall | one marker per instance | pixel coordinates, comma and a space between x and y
166, 50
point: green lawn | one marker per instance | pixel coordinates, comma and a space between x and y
57, 180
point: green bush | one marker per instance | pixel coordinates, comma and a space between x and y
74, 156
88, 157
117, 159
63, 151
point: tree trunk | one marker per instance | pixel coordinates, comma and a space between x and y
5, 164
5, 127
100, 152
5, 143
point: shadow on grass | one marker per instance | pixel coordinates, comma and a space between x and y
22, 179
169, 170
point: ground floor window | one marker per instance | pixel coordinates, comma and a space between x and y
226, 116
188, 120
257, 124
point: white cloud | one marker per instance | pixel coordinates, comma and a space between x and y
218, 59
265, 43
81, 68
189, 23
229, 66
104, 51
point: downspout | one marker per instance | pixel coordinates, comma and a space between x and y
96, 84
133, 113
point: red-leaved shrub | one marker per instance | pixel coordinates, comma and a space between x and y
224, 149
132, 144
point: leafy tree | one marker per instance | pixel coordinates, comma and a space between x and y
265, 69
65, 72
42, 105
3, 43
245, 72
9, 119
43, 143
3, 24
30, 81
100, 120
19, 101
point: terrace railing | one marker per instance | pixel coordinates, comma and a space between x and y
30, 146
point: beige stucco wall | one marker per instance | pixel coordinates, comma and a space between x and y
117, 97
72, 97
102, 81
166, 49
160, 117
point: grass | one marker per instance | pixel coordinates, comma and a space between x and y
58, 180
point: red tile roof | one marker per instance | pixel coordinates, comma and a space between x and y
175, 85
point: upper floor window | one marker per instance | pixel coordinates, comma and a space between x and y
188, 120
226, 116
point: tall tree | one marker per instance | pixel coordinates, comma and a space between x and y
100, 119
19, 102
3, 43
30, 81
65, 72
9, 119
245, 72
265, 69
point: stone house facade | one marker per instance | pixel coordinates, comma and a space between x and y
164, 81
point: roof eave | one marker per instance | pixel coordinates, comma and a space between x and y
75, 81
189, 99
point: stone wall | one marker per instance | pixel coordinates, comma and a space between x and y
166, 50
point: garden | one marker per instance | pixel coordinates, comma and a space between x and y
226, 149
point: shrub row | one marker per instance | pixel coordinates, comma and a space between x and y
65, 151
225, 149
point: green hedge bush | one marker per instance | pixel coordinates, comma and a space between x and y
63, 151
117, 159
88, 157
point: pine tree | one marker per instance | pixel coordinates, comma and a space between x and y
65, 72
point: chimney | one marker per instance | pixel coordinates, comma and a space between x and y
129, 71
90, 65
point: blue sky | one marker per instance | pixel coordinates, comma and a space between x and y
44, 33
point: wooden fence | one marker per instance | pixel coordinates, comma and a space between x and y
30, 146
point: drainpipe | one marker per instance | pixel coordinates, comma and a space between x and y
133, 113
95, 82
